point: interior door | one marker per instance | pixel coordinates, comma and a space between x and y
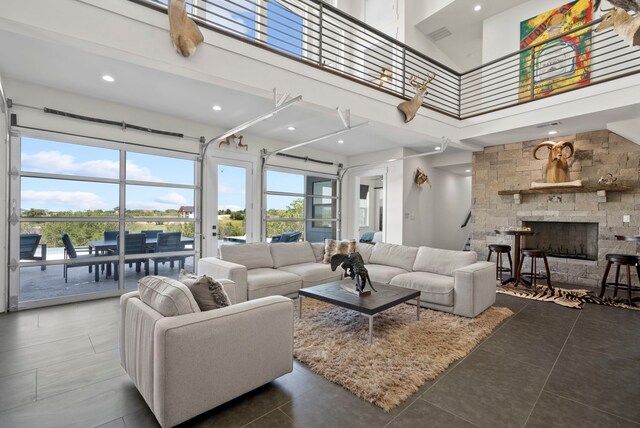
228, 214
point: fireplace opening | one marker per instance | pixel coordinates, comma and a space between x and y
564, 239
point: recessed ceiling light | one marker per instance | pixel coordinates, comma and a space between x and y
216, 108
477, 8
467, 170
438, 147
553, 132
340, 141
108, 78
392, 160
291, 128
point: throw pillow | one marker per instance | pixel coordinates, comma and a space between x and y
167, 296
332, 247
208, 293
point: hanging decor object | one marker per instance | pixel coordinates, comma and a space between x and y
557, 164
421, 178
627, 26
235, 140
185, 34
562, 63
410, 108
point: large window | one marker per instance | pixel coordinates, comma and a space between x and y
284, 27
300, 203
74, 199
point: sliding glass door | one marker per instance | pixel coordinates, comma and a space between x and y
88, 218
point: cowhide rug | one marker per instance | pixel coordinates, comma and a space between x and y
571, 298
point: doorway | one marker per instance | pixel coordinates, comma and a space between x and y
228, 214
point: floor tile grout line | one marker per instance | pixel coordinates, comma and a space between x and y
443, 375
451, 413
402, 411
592, 407
260, 417
516, 359
603, 353
285, 413
551, 371
43, 343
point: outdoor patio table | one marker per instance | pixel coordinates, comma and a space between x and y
101, 246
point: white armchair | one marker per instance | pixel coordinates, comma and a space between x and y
187, 364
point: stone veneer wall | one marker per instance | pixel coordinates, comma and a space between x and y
512, 166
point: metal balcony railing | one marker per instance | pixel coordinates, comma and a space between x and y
322, 36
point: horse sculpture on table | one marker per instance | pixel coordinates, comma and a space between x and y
353, 266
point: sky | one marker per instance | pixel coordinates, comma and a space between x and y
87, 161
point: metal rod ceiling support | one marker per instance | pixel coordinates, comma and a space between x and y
322, 137
253, 121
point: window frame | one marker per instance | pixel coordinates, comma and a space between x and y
16, 219
307, 220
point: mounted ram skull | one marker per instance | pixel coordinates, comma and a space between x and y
410, 108
557, 164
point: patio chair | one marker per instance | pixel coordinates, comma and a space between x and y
71, 252
276, 238
168, 242
291, 236
151, 234
112, 235
134, 243
29, 244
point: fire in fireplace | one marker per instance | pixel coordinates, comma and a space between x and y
564, 239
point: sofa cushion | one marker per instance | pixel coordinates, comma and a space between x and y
167, 296
333, 247
433, 288
443, 262
253, 256
208, 293
365, 251
264, 282
292, 253
383, 273
318, 250
399, 256
314, 273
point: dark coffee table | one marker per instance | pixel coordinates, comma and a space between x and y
387, 297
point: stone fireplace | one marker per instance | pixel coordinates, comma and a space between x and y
596, 216
565, 240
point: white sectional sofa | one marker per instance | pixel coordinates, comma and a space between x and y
450, 281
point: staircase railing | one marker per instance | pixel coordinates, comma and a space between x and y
322, 36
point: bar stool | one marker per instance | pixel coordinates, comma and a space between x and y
621, 260
534, 254
500, 250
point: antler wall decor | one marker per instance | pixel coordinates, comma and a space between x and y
235, 140
421, 178
410, 108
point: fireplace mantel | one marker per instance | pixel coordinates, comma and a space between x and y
583, 189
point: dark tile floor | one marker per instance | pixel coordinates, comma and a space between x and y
547, 366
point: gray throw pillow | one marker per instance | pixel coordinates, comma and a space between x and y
208, 293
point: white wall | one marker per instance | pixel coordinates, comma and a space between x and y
432, 216
414, 12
